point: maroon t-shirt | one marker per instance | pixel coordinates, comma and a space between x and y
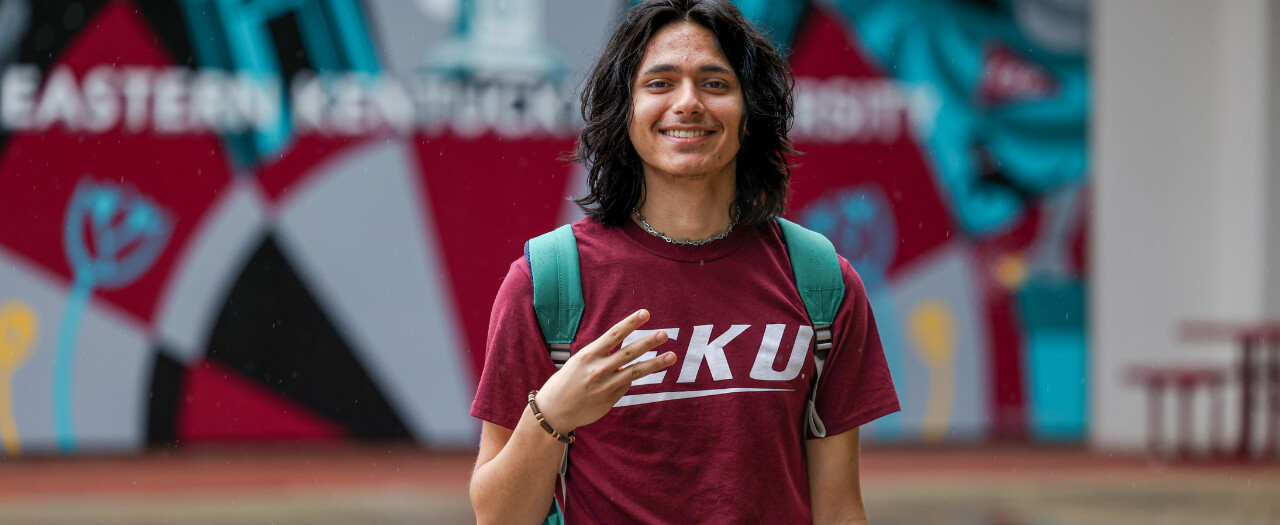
718, 437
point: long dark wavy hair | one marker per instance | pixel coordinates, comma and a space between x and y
615, 171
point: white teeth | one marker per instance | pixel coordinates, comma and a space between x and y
684, 134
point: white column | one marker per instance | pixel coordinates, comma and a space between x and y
1271, 233
1185, 172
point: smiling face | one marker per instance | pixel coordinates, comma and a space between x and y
686, 106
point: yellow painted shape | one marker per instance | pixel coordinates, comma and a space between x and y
1011, 270
933, 332
19, 328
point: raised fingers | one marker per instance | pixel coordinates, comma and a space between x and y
643, 368
614, 336
637, 348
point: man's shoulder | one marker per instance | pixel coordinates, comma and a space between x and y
848, 273
589, 228
548, 250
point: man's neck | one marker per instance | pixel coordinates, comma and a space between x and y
688, 210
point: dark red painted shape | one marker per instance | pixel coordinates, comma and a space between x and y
291, 169
181, 173
481, 222
1008, 77
217, 404
829, 48
824, 50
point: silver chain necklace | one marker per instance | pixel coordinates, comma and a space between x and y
645, 224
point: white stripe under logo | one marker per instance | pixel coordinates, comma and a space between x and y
642, 399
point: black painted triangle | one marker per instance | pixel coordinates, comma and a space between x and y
272, 330
163, 398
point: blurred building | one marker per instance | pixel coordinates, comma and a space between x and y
265, 220
1185, 225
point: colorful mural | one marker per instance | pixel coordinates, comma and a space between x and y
945, 156
263, 220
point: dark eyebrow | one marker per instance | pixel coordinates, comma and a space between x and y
715, 68
661, 68
671, 68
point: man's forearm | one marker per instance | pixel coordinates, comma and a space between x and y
516, 485
516, 470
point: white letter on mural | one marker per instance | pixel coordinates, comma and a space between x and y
209, 107
101, 99
60, 101
137, 92
256, 99
171, 100
19, 90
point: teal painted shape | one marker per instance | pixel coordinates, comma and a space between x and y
938, 46
557, 283
64, 355
251, 52
1056, 359
336, 36
1057, 365
350, 30
860, 224
890, 427
817, 270
234, 35
204, 22
777, 19
123, 250
322, 50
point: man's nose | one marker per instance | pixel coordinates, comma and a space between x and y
688, 100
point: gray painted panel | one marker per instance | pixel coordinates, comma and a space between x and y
569, 211
362, 237
575, 29
111, 368
416, 26
947, 278
198, 288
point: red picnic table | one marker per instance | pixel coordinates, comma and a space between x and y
1254, 340
1184, 381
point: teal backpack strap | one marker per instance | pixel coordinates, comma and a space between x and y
554, 516
817, 270
557, 288
557, 301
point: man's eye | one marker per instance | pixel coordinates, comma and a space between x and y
658, 84
716, 84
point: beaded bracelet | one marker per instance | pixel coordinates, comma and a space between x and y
537, 414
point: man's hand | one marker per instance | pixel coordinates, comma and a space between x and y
596, 377
515, 469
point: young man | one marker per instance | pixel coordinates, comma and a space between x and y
700, 416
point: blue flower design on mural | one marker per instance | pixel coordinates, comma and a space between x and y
859, 221
113, 235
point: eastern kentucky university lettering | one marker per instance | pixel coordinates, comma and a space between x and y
707, 349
